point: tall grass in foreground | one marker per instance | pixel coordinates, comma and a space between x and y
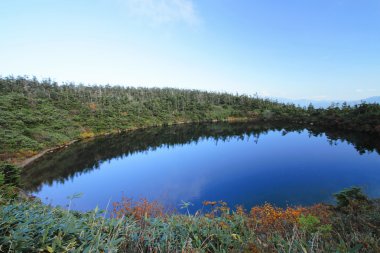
353, 225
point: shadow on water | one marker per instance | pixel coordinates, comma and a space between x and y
85, 156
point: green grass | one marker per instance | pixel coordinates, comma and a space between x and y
29, 226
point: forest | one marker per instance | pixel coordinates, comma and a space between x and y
35, 115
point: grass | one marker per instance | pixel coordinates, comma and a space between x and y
353, 225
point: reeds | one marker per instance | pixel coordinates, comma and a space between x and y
143, 226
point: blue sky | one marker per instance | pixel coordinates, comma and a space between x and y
314, 49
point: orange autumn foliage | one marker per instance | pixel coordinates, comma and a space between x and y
138, 209
267, 218
270, 217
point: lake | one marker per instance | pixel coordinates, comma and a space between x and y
240, 163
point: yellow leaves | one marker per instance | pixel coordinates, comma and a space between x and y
223, 225
236, 237
92, 106
87, 134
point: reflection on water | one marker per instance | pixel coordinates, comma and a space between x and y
241, 163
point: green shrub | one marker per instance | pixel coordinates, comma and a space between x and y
309, 223
10, 174
350, 197
9, 181
33, 227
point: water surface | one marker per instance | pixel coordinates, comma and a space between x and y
240, 163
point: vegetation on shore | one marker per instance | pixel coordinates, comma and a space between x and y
35, 115
27, 225
85, 156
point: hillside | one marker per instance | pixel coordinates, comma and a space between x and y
36, 114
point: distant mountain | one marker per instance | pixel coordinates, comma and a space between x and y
326, 103
373, 100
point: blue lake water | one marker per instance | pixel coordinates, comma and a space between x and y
247, 167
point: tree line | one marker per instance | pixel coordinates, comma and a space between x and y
37, 114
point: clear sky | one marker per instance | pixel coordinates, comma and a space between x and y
315, 49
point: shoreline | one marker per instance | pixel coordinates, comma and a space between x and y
22, 162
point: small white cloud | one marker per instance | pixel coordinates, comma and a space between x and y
164, 11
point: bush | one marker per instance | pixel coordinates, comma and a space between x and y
33, 227
29, 226
10, 174
9, 181
351, 197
